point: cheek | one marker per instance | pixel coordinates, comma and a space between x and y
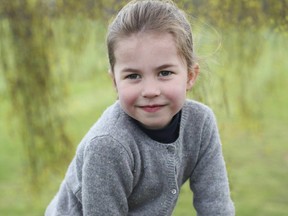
176, 92
127, 96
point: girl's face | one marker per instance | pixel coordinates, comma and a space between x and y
151, 78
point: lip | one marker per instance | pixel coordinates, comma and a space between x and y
152, 108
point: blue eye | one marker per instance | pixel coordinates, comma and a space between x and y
133, 76
165, 73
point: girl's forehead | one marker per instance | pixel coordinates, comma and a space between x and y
145, 50
146, 41
142, 38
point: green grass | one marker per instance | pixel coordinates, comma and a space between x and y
254, 143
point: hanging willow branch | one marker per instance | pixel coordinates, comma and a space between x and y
35, 88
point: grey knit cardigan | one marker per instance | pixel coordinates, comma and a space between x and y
119, 170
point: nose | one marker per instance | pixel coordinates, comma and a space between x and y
150, 89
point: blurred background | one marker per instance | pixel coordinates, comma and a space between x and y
54, 85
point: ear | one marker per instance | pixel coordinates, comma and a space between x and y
192, 76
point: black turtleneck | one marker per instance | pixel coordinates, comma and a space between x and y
168, 134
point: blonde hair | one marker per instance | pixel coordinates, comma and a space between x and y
161, 16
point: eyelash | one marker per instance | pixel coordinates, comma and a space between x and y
167, 73
132, 76
137, 76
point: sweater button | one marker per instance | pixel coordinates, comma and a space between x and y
171, 149
174, 191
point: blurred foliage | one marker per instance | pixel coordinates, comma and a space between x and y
237, 25
244, 14
36, 88
37, 80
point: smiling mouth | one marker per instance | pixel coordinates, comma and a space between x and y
152, 108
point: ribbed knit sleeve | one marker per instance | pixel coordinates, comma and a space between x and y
107, 178
209, 181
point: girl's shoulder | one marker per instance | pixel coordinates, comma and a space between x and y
113, 126
194, 109
196, 118
113, 120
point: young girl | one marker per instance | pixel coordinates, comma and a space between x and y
143, 148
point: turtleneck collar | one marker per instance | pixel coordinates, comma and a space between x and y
168, 134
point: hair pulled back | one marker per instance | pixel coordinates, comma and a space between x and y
157, 16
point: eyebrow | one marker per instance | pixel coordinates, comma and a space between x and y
129, 70
164, 66
161, 67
